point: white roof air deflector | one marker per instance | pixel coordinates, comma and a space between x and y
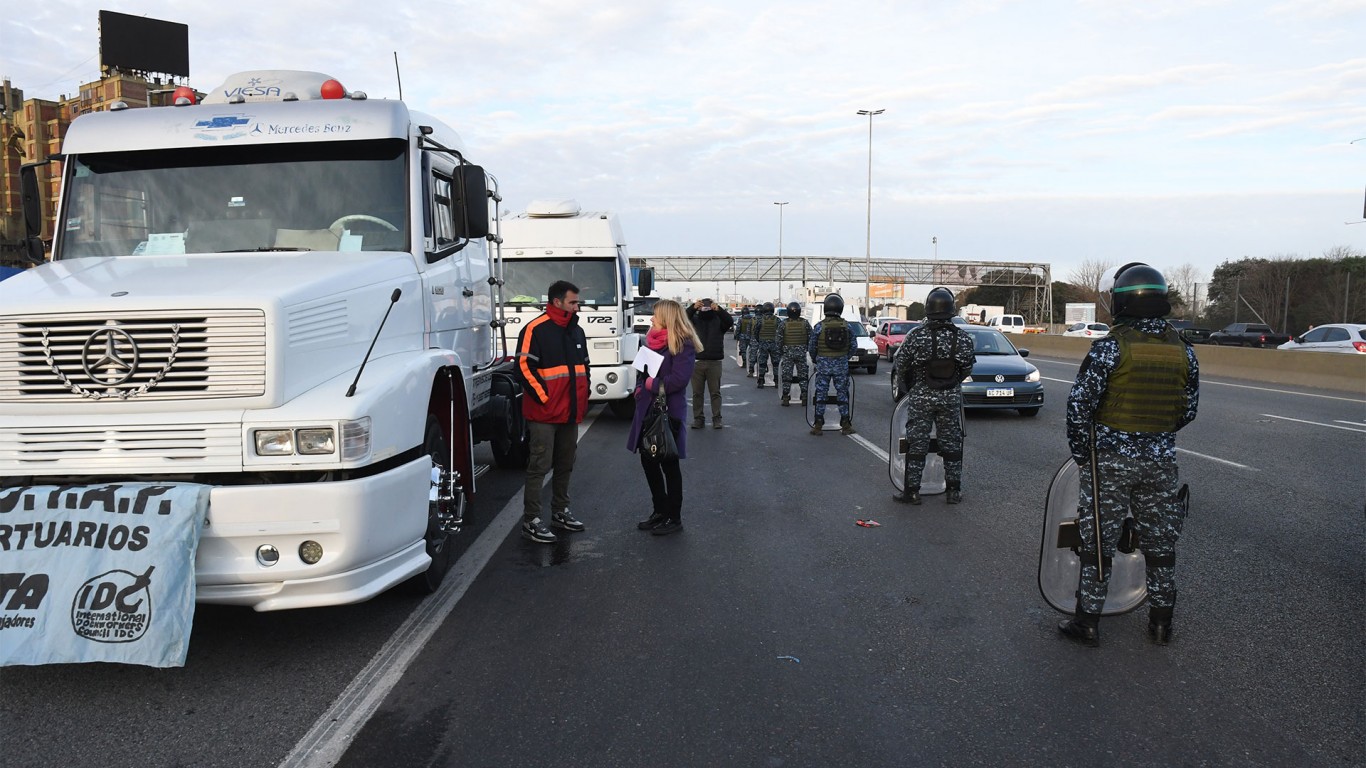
552, 209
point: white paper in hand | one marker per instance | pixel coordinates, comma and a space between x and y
648, 361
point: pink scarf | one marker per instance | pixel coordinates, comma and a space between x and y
657, 339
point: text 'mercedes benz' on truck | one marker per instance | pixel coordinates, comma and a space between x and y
290, 293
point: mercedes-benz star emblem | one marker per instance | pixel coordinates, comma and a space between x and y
110, 357
1000, 378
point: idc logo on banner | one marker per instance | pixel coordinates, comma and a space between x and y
99, 573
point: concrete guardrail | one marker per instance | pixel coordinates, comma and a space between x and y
1314, 370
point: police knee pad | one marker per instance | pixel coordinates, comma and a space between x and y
1159, 561
915, 457
951, 455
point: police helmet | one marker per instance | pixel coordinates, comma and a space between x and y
834, 305
939, 304
1135, 290
768, 308
794, 309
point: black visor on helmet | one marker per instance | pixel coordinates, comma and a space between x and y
834, 304
939, 304
1140, 291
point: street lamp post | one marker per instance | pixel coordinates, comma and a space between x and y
780, 249
868, 253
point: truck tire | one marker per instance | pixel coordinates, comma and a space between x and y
439, 545
517, 451
625, 408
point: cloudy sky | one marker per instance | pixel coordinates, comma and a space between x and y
1170, 131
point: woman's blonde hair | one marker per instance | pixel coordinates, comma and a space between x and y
675, 321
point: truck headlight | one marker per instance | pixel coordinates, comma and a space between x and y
316, 442
355, 439
274, 442
1032, 375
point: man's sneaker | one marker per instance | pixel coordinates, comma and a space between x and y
566, 520
649, 523
535, 530
671, 525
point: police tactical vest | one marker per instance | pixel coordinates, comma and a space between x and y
942, 372
742, 328
1147, 389
768, 328
796, 333
834, 338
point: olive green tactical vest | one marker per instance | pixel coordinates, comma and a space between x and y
742, 327
796, 333
825, 350
1147, 389
767, 328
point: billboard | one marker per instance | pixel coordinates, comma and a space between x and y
140, 44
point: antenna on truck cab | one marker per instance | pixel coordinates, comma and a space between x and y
393, 299
399, 76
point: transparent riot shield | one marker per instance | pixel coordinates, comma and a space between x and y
831, 403
1059, 566
932, 480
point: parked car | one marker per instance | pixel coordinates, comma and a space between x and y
1002, 378
1248, 335
1189, 332
1088, 330
890, 335
865, 351
1349, 338
1007, 323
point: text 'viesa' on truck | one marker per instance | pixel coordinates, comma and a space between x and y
290, 293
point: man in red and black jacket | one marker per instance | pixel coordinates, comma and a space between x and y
552, 355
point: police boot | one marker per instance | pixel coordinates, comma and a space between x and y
846, 427
1083, 628
817, 427
802, 402
787, 400
910, 492
761, 381
953, 495
1160, 624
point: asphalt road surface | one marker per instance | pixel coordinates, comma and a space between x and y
773, 631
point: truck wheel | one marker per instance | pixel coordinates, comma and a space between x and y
518, 451
625, 408
439, 545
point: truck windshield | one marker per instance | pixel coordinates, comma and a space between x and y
529, 279
334, 196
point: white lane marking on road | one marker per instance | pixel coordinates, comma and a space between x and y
734, 405
866, 443
1315, 423
1353, 423
1204, 381
1216, 458
326, 742
1050, 378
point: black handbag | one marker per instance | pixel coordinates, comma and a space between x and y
656, 432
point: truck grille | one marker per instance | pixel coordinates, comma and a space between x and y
153, 355
96, 450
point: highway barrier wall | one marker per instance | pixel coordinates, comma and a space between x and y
1315, 370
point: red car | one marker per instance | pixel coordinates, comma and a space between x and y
890, 334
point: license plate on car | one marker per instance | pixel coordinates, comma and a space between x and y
1000, 393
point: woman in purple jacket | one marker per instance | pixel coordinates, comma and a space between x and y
672, 336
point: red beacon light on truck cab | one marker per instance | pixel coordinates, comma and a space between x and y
183, 96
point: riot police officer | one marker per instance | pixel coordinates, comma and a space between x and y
794, 332
930, 365
764, 347
743, 334
831, 343
1135, 389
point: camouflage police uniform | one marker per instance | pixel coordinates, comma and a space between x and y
1136, 467
762, 349
794, 334
832, 366
742, 337
941, 409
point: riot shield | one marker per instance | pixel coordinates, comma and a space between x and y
1059, 566
831, 403
932, 480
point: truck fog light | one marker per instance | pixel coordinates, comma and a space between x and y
601, 389
316, 442
355, 439
611, 378
310, 552
274, 442
267, 555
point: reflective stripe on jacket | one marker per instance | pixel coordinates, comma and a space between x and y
553, 362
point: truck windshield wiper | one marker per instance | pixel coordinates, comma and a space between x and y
265, 249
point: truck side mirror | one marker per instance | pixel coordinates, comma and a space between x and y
645, 283
474, 202
31, 200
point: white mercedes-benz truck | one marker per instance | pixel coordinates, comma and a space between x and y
557, 240
289, 293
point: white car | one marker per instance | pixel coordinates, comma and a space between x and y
1088, 330
1333, 337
